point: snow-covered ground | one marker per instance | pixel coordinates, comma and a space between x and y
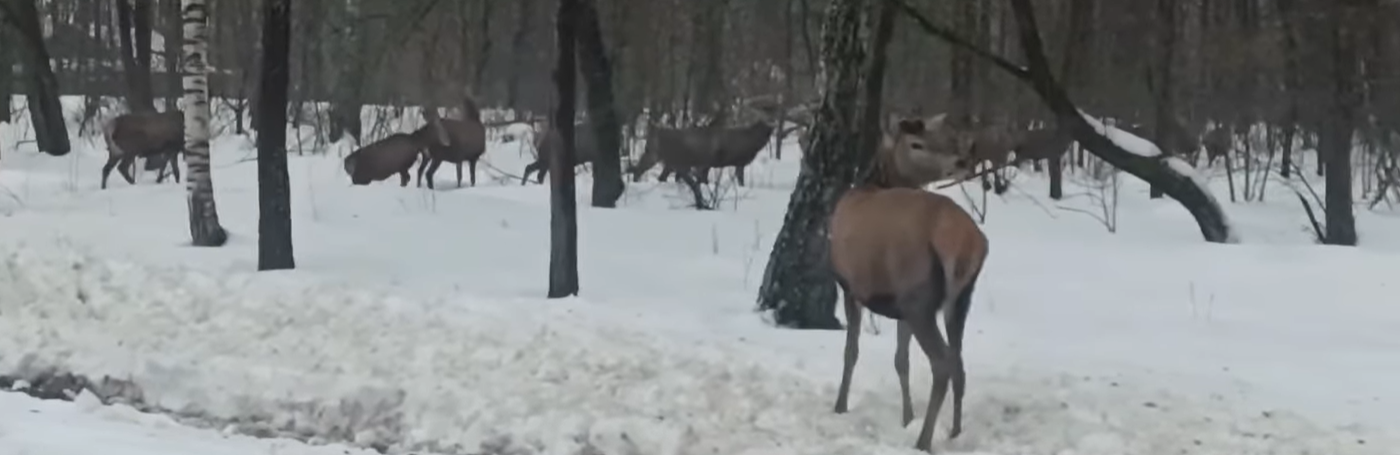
416, 320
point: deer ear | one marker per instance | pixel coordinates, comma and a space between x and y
911, 126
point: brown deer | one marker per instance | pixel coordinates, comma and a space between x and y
549, 143
702, 148
150, 135
465, 142
909, 254
394, 154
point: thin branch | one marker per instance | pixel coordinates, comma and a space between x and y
944, 34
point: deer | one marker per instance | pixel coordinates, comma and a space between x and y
150, 135
549, 143
702, 148
909, 254
1217, 142
391, 155
465, 141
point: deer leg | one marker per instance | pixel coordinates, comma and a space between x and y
432, 171
925, 328
112, 162
702, 174
666, 172
459, 175
544, 169
175, 166
955, 319
739, 175
471, 167
901, 368
127, 168
853, 311
422, 164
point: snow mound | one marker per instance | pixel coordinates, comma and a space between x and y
329, 362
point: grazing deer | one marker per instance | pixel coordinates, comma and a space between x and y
908, 254
549, 143
702, 148
465, 142
392, 155
150, 135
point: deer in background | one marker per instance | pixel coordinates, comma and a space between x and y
464, 140
149, 135
703, 148
549, 143
910, 254
394, 154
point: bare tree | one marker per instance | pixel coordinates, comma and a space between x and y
602, 107
134, 20
797, 288
205, 229
45, 112
563, 220
274, 188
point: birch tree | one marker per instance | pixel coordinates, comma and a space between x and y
205, 229
797, 287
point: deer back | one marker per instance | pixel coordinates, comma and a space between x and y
1043, 144
1217, 141
890, 241
145, 133
384, 157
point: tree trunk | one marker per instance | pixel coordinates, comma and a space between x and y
274, 188
174, 35
563, 220
134, 19
7, 73
798, 290
205, 229
602, 107
1080, 36
1335, 145
346, 101
519, 48
1164, 88
50, 132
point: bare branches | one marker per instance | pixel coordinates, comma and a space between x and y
948, 36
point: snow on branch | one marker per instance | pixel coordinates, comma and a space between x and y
1123, 139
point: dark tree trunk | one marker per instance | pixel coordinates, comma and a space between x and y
519, 48
1164, 78
174, 32
134, 19
602, 107
1080, 35
50, 132
1335, 145
7, 74
274, 189
563, 220
798, 290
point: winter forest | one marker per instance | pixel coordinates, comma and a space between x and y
1095, 226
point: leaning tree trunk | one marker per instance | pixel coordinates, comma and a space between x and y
798, 290
602, 107
274, 189
1174, 175
563, 220
205, 229
51, 134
